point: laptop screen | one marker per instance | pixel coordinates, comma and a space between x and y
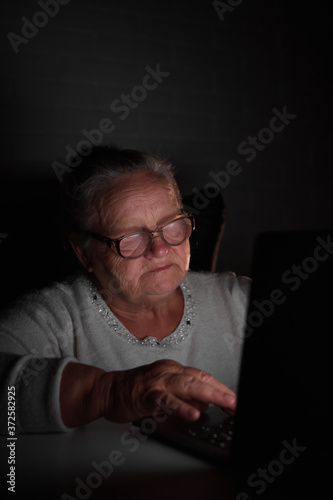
284, 384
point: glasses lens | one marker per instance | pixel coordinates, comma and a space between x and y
174, 233
134, 245
177, 231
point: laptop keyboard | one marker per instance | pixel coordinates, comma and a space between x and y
219, 435
210, 437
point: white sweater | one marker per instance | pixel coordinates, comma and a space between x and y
69, 321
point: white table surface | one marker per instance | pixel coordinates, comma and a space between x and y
48, 465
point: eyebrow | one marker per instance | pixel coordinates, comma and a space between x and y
138, 229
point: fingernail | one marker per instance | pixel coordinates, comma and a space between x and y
194, 414
230, 398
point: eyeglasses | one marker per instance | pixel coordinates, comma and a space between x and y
135, 245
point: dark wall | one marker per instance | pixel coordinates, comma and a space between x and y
224, 70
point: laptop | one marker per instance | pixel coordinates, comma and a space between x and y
283, 418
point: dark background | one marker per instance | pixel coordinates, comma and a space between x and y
225, 77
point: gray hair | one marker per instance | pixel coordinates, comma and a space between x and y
104, 165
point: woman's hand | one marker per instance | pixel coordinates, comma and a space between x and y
165, 386
160, 387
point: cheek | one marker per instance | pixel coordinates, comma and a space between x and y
123, 274
183, 253
116, 277
105, 265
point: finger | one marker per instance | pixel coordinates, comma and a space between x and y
208, 378
229, 397
188, 387
174, 406
173, 367
199, 405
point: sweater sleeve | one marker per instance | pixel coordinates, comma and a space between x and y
39, 323
36, 343
36, 385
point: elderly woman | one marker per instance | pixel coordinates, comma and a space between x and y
134, 333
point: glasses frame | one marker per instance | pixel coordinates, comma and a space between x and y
114, 243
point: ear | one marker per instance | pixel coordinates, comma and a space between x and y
80, 253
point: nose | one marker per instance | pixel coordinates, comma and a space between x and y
158, 247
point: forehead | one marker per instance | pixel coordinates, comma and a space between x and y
134, 197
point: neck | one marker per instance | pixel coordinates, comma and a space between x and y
147, 306
151, 316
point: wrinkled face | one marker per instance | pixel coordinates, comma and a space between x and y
137, 202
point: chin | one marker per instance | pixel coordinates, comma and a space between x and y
164, 282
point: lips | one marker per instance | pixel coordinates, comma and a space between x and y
162, 268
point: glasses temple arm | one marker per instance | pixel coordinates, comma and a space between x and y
104, 239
